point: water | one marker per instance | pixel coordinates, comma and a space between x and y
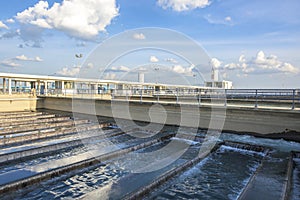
295, 194
222, 175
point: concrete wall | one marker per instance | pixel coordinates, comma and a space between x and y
10, 103
262, 121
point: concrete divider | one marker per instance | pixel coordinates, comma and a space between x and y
289, 177
29, 114
14, 113
31, 127
37, 135
34, 121
249, 147
27, 118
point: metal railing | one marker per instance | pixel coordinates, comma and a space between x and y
280, 98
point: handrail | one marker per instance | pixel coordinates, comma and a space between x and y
289, 98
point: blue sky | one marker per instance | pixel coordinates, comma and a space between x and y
255, 44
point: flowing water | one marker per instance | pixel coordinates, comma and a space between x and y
222, 175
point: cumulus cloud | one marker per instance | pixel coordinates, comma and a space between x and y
118, 69
2, 25
10, 34
261, 64
77, 18
215, 63
10, 63
139, 36
153, 59
183, 5
183, 70
10, 21
25, 58
69, 71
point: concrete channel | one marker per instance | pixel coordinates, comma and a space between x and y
75, 166
28, 127
142, 192
66, 143
271, 176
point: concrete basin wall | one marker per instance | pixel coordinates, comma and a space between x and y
11, 103
243, 120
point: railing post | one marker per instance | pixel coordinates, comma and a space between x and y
141, 94
199, 98
256, 99
293, 105
177, 100
225, 104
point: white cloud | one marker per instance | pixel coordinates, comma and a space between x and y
25, 58
139, 36
215, 63
261, 64
10, 21
217, 20
171, 60
2, 25
69, 71
153, 59
183, 5
109, 76
118, 69
183, 70
77, 18
228, 19
10, 63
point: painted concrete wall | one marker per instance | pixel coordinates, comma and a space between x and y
18, 104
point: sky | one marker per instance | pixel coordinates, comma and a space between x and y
254, 44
